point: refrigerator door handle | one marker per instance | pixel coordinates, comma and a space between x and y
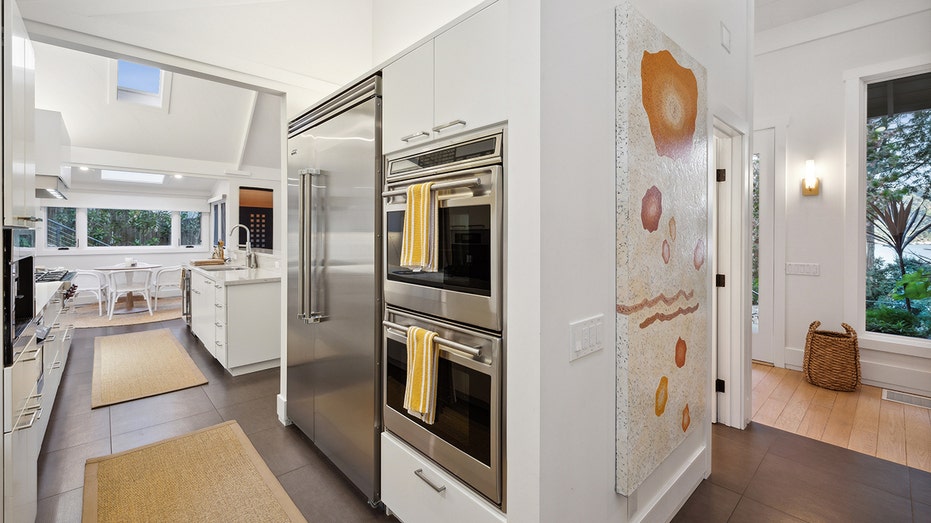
308, 276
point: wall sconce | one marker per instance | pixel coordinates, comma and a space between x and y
811, 184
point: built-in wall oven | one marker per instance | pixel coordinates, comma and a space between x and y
468, 179
18, 287
466, 435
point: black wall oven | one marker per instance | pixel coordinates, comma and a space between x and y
18, 286
466, 436
468, 177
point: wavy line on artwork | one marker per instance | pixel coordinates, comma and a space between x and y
659, 316
650, 302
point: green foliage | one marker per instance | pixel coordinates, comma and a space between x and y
914, 286
128, 227
898, 156
892, 320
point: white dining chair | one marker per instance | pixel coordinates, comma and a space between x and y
128, 283
92, 282
165, 278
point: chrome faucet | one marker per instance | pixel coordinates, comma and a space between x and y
250, 256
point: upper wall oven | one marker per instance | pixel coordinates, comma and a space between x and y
468, 177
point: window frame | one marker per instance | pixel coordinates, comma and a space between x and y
138, 98
82, 248
855, 95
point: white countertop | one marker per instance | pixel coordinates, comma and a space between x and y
44, 292
240, 277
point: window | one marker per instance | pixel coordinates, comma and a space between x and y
125, 227
141, 84
898, 190
218, 217
61, 227
96, 229
190, 228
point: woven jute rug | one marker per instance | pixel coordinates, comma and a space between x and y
86, 316
213, 474
140, 364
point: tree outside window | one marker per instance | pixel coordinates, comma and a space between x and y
61, 225
898, 228
190, 228
127, 227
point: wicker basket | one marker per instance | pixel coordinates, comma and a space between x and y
832, 359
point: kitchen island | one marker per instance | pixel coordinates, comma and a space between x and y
235, 312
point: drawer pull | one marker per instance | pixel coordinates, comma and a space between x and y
56, 365
415, 135
32, 420
441, 128
195, 291
419, 473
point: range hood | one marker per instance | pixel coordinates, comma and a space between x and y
50, 187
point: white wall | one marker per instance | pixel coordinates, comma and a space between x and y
800, 81
561, 250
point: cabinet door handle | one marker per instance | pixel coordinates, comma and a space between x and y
56, 365
441, 128
218, 286
419, 473
195, 291
218, 324
412, 136
218, 344
217, 305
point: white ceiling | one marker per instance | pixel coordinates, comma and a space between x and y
774, 13
309, 48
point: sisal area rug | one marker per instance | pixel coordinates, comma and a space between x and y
85, 316
138, 365
213, 474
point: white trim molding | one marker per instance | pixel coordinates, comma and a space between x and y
894, 362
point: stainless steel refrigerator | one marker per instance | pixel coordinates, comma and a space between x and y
334, 307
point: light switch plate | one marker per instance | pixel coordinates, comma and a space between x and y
586, 336
803, 269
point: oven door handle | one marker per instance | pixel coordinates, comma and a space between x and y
457, 184
471, 352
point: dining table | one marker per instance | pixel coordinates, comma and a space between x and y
130, 298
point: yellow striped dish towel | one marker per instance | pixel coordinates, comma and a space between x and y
419, 245
422, 361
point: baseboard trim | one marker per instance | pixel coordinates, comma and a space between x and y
905, 373
283, 410
676, 490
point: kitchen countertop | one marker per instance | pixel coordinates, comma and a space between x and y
240, 277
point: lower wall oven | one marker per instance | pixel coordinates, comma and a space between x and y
466, 436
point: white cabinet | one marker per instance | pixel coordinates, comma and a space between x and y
203, 316
19, 197
450, 84
237, 323
59, 316
407, 92
417, 490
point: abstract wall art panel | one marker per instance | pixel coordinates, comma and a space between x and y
663, 305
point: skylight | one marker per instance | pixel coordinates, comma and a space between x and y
138, 83
131, 177
137, 77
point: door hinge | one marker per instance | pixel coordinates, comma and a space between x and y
721, 175
719, 280
719, 385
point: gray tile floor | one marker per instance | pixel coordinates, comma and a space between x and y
764, 474
76, 432
758, 475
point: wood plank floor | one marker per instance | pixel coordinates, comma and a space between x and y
860, 420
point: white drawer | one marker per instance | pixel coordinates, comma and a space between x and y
407, 493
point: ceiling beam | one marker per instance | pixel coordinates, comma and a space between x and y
246, 129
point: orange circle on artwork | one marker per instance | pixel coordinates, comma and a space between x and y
686, 418
681, 348
662, 396
670, 98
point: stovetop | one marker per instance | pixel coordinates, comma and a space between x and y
58, 275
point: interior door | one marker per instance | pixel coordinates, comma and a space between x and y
763, 171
